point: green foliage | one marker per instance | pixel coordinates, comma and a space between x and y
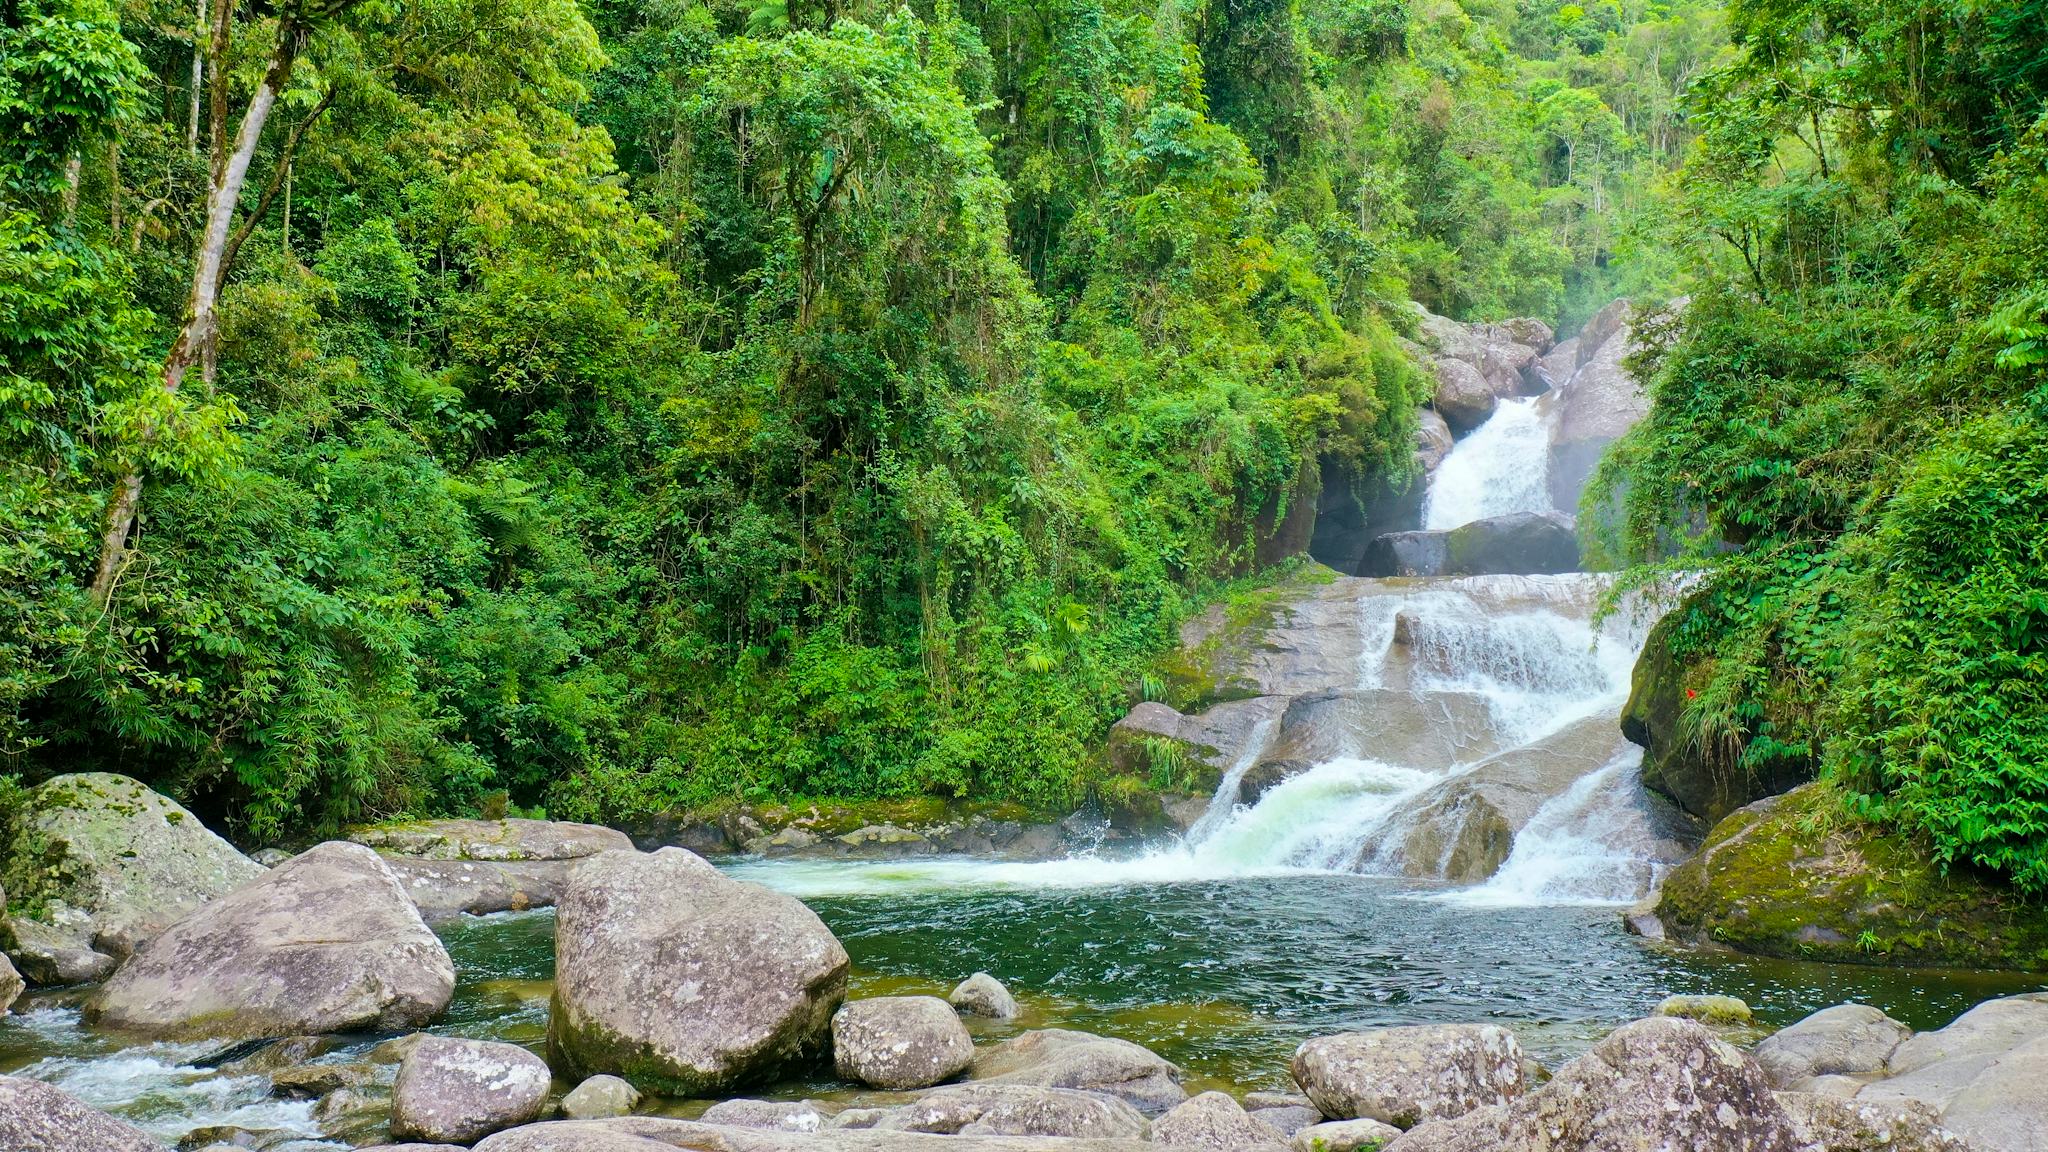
638, 404
1846, 431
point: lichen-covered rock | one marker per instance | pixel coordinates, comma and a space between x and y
1847, 1039
600, 1097
684, 981
1215, 1121
983, 995
48, 957
1344, 1136
459, 1091
1464, 396
1797, 876
326, 943
1058, 1058
1706, 1009
657, 1134
491, 840
900, 1042
1405, 1076
1834, 1124
1017, 1110
34, 1117
110, 863
1659, 1083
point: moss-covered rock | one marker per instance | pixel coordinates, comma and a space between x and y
1796, 876
1674, 762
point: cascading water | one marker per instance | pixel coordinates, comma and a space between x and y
1502, 467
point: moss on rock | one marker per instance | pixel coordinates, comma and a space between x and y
1797, 876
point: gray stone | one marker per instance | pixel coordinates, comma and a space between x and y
600, 1097
1706, 1009
654, 1134
884, 842
1433, 440
983, 995
1287, 1119
1835, 1124
780, 1115
312, 1081
1845, 1039
491, 840
11, 985
325, 943
34, 1117
1464, 397
684, 981
113, 862
1519, 543
900, 1042
1344, 1136
1016, 1110
1596, 405
1058, 1058
459, 1091
1214, 1121
1405, 1076
1419, 552
2004, 1108
444, 890
270, 857
1992, 1027
1659, 1083
50, 957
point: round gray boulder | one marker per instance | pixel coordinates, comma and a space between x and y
1847, 1039
983, 995
900, 1042
1405, 1076
459, 1091
599, 1098
325, 943
1059, 1058
1017, 1110
686, 982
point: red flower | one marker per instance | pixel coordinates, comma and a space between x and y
1690, 694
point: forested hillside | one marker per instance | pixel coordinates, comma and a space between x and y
637, 402
1850, 424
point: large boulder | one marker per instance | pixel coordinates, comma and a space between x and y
1215, 1121
1464, 396
459, 1091
1595, 405
1208, 742
1453, 728
1845, 1040
1058, 1058
2004, 1108
686, 982
326, 943
657, 1134
1418, 552
1833, 1124
1017, 1110
1463, 828
1982, 1075
1798, 876
1344, 1136
109, 863
1990, 1029
1660, 1083
453, 867
1517, 544
1675, 762
35, 1117
49, 956
900, 1042
1405, 1076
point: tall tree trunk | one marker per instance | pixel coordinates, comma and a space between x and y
196, 341
199, 36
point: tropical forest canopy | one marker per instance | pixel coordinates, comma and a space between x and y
620, 404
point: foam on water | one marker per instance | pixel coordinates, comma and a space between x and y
1502, 467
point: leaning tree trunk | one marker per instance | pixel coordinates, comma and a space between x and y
197, 340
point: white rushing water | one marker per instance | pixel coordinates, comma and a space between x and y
1502, 467
1517, 658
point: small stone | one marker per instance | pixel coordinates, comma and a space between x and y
1705, 1009
983, 995
900, 1042
1344, 1136
778, 1115
459, 1091
270, 857
599, 1098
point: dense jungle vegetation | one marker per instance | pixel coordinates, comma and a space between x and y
622, 403
1850, 423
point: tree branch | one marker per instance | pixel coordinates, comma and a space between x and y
270, 190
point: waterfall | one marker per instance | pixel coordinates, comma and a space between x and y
1502, 467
